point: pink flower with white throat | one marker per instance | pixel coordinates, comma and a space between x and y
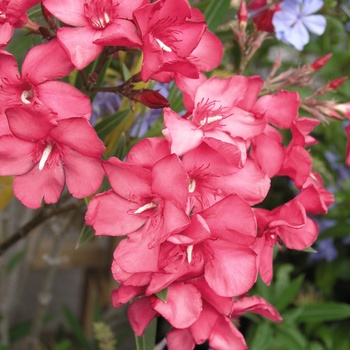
44, 154
35, 86
96, 23
175, 40
13, 15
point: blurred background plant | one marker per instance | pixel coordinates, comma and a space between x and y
55, 277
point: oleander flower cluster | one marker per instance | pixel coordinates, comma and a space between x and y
189, 204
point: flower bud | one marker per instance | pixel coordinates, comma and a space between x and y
334, 84
320, 62
151, 99
242, 14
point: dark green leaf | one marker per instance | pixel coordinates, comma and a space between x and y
147, 341
162, 294
86, 234
329, 311
75, 328
215, 13
107, 125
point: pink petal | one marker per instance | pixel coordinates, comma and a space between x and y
226, 92
8, 67
46, 62
297, 165
126, 7
181, 133
208, 53
170, 180
226, 336
232, 220
233, 149
84, 174
64, 99
35, 186
68, 11
15, 156
31, 124
233, 270
268, 154
129, 181
148, 151
6, 32
140, 314
256, 305
182, 307
255, 84
280, 109
249, 183
133, 254
119, 33
203, 327
180, 339
110, 215
85, 141
299, 238
79, 46
123, 294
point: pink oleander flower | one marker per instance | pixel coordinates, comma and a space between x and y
13, 15
97, 23
154, 200
287, 224
36, 86
175, 40
44, 154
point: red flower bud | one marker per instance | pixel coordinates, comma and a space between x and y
151, 99
334, 84
320, 62
242, 13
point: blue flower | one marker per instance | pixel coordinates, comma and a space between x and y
325, 250
295, 19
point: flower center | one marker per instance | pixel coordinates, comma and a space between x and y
189, 251
163, 46
27, 96
145, 207
191, 185
98, 12
45, 156
207, 113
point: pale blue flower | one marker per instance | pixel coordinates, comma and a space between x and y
295, 19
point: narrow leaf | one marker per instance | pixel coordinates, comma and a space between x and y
86, 234
147, 341
329, 311
215, 13
162, 294
107, 125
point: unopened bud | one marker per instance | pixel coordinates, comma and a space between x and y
343, 108
334, 84
242, 14
151, 98
320, 62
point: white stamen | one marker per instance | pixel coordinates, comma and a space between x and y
107, 19
189, 253
2, 15
209, 120
145, 207
163, 46
45, 156
25, 95
192, 185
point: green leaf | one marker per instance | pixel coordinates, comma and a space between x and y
75, 328
215, 13
107, 125
310, 250
262, 336
14, 260
147, 341
291, 338
86, 234
329, 311
63, 345
162, 294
